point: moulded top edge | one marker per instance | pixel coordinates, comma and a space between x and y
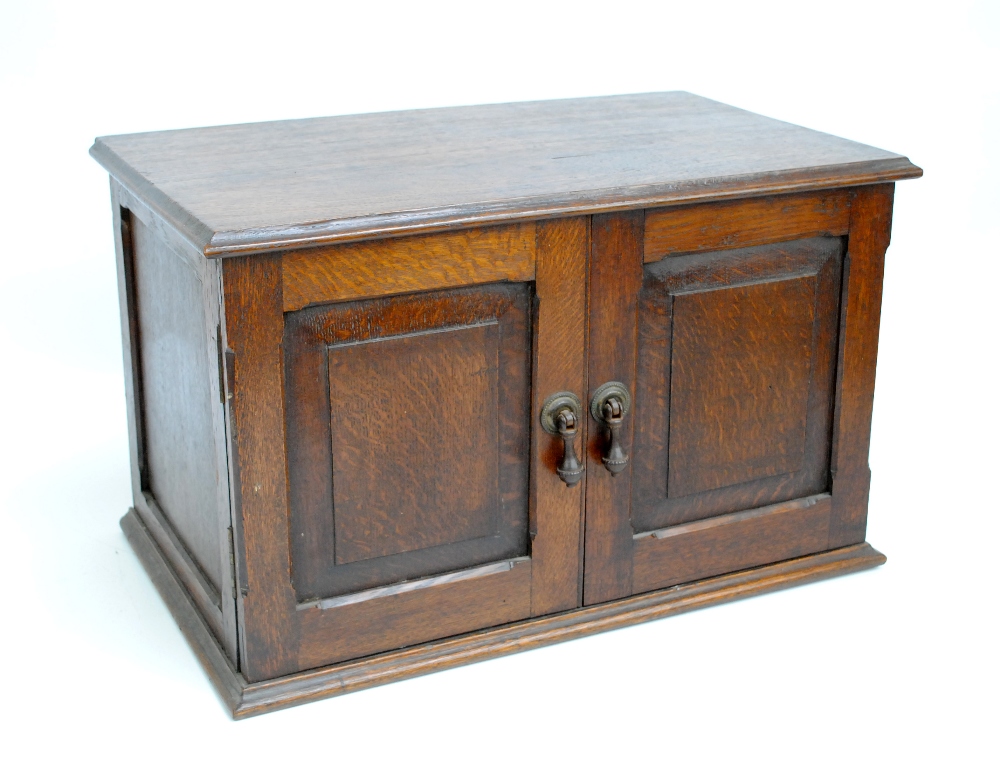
249, 188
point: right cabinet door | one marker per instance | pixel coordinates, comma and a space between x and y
732, 365
734, 397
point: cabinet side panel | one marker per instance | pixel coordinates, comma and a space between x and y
182, 464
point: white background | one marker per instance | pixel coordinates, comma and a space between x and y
901, 660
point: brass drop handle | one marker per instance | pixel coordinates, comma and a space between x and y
561, 415
609, 406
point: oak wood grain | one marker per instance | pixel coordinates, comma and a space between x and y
737, 362
245, 699
170, 309
413, 264
871, 221
560, 338
415, 441
615, 281
254, 326
394, 621
407, 435
177, 364
728, 543
287, 184
744, 223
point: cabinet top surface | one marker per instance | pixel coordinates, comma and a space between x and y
287, 184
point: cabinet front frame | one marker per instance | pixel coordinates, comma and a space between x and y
279, 635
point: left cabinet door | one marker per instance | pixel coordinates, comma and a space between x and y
383, 414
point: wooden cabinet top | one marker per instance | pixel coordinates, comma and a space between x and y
290, 184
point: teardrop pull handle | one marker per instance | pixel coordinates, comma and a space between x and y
609, 406
561, 415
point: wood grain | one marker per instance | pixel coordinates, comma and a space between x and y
415, 441
744, 223
615, 281
739, 383
738, 414
871, 221
435, 612
171, 321
414, 264
245, 699
178, 400
292, 184
724, 544
408, 436
254, 326
560, 338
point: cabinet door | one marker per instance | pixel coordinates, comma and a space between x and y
729, 324
396, 426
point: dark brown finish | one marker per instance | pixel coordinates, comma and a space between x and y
178, 401
246, 699
345, 468
744, 223
391, 267
752, 425
408, 422
723, 544
615, 279
737, 354
712, 443
254, 325
871, 221
433, 612
415, 441
285, 184
559, 366
170, 324
294, 637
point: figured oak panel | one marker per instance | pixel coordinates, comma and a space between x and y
408, 428
406, 412
742, 223
739, 384
736, 371
732, 542
412, 264
616, 276
182, 467
560, 365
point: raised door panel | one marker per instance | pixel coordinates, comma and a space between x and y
734, 397
408, 436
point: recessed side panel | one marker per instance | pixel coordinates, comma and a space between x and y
407, 431
734, 396
405, 413
178, 399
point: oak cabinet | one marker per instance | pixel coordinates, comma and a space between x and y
416, 389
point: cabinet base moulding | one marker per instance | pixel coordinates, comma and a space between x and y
245, 698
